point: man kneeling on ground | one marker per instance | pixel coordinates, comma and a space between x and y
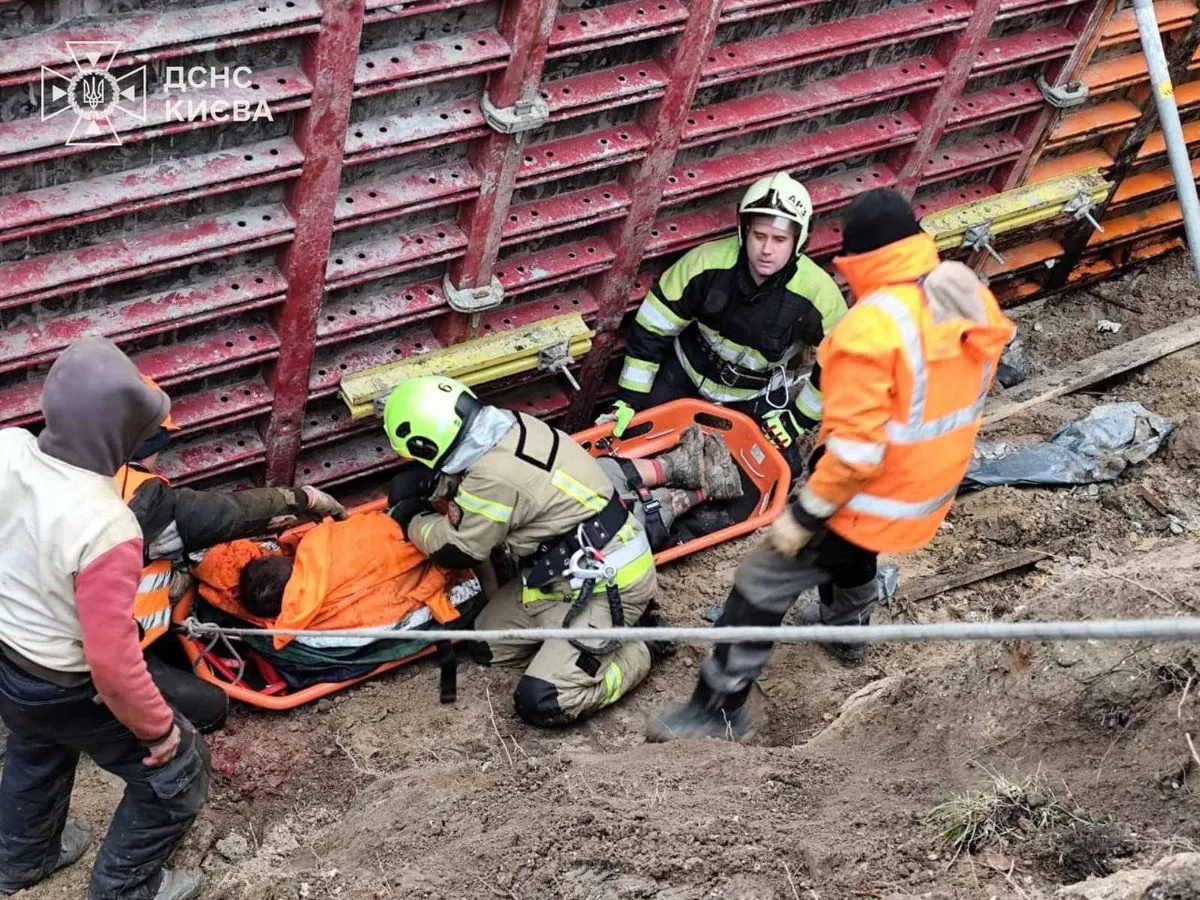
508, 480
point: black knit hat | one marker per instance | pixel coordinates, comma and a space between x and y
877, 218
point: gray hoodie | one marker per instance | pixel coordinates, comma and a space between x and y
97, 408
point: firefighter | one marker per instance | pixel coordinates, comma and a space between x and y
724, 322
508, 480
907, 373
176, 521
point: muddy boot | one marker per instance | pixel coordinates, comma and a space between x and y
707, 715
76, 835
722, 478
179, 884
683, 467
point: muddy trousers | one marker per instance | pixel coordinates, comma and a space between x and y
764, 589
50, 727
563, 684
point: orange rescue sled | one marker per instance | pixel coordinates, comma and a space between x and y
765, 474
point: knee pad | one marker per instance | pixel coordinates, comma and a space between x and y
480, 652
536, 701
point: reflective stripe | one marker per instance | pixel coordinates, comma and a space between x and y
887, 508
614, 681
638, 375
653, 315
153, 580
425, 529
856, 453
915, 430
160, 619
808, 401
911, 338
714, 390
489, 509
633, 560
960, 418
733, 352
577, 491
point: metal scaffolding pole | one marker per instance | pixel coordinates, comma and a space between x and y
1168, 115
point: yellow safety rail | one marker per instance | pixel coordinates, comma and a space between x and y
1014, 210
548, 344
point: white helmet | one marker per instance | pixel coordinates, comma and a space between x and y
781, 196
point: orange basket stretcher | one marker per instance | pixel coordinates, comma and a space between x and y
765, 475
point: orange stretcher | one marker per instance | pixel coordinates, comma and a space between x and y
650, 432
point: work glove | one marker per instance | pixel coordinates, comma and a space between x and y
414, 481
782, 427
794, 529
404, 511
621, 413
321, 504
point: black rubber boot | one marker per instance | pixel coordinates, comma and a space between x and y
707, 715
179, 884
76, 835
653, 618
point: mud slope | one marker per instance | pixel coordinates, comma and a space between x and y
382, 792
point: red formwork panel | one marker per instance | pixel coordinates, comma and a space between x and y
164, 35
659, 114
31, 139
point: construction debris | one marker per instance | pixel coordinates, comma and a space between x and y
1098, 447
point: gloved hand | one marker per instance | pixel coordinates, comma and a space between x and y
621, 413
322, 504
782, 427
795, 528
408, 509
414, 481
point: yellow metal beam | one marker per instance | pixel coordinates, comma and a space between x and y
1014, 210
473, 362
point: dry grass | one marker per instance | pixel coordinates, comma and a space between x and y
1005, 809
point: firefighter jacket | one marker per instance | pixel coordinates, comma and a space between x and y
907, 372
175, 521
531, 487
733, 338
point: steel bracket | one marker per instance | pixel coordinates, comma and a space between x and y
1080, 207
524, 115
1066, 96
556, 358
473, 300
979, 237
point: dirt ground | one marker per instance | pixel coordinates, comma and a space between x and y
383, 792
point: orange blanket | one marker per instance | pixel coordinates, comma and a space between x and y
357, 573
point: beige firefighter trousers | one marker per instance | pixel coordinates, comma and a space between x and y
563, 684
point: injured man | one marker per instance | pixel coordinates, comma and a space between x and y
357, 573
661, 489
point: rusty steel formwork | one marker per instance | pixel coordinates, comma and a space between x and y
554, 155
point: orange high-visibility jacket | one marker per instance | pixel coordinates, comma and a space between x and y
152, 605
357, 573
906, 375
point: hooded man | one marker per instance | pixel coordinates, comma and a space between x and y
72, 676
907, 372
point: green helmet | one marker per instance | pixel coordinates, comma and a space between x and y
425, 416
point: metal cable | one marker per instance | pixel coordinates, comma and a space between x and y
1167, 629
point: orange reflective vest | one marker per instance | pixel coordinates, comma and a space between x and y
152, 605
905, 376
